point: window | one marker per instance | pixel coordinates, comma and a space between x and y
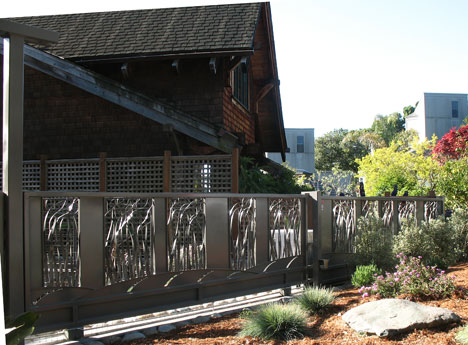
454, 108
300, 144
241, 86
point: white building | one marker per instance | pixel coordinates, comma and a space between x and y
437, 113
301, 149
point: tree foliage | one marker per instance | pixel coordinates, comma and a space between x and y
387, 127
333, 151
453, 145
410, 167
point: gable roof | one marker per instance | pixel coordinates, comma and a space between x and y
153, 32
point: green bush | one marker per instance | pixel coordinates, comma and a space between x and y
373, 243
275, 321
458, 223
434, 240
365, 275
314, 299
462, 335
412, 278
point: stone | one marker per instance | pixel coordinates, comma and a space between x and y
113, 339
388, 317
200, 319
182, 323
215, 316
150, 331
166, 328
133, 336
89, 341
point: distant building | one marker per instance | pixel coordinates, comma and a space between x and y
301, 153
437, 113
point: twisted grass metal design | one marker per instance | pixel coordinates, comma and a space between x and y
129, 244
432, 209
61, 259
242, 228
344, 225
285, 228
186, 234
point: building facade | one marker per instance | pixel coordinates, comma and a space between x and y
437, 113
301, 150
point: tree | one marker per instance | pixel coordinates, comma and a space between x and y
408, 110
410, 167
388, 126
452, 146
333, 151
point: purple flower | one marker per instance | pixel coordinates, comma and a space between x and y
365, 294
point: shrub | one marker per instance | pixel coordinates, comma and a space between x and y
414, 279
314, 299
275, 321
458, 223
373, 243
365, 275
462, 335
433, 240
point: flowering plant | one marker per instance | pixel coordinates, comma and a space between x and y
411, 278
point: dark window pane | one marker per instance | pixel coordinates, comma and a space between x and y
454, 108
300, 144
241, 86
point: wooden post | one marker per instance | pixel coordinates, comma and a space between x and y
235, 170
419, 211
43, 173
167, 172
102, 171
396, 217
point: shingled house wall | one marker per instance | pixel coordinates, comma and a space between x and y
62, 121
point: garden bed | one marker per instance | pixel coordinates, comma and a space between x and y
327, 328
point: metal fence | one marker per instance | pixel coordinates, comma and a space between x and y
337, 216
186, 174
97, 256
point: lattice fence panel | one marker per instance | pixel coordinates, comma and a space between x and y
285, 228
209, 174
31, 176
186, 234
73, 175
129, 239
242, 227
140, 175
61, 259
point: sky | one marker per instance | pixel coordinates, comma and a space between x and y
340, 62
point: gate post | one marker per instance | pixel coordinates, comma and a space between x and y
313, 234
14, 36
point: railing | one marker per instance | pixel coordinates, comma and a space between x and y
338, 216
96, 256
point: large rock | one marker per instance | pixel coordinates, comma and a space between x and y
392, 316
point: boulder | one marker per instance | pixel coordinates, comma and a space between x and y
133, 336
393, 316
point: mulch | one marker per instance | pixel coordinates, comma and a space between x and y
326, 328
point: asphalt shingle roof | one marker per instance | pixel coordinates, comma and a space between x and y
151, 32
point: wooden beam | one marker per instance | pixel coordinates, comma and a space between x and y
262, 93
235, 170
126, 97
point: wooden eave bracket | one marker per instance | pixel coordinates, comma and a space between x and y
125, 97
242, 60
175, 66
212, 64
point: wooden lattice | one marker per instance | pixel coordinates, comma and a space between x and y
73, 175
209, 174
141, 175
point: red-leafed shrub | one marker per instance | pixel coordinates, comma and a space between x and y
452, 146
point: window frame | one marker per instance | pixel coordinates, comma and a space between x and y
455, 111
298, 144
241, 86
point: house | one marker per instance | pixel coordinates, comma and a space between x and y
437, 113
301, 150
193, 80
